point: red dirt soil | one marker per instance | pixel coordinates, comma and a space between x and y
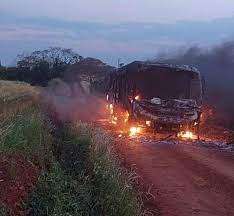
187, 180
17, 178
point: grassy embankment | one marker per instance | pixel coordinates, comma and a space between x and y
15, 97
25, 142
85, 179
79, 174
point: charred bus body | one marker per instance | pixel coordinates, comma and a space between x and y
161, 96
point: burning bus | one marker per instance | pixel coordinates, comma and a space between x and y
163, 97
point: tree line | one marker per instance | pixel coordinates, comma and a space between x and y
39, 67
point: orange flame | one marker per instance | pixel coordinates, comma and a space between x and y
114, 120
137, 97
134, 131
126, 117
148, 123
111, 108
187, 135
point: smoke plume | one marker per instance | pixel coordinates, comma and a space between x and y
216, 65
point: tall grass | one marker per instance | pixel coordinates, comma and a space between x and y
24, 130
27, 134
15, 97
113, 184
87, 178
57, 194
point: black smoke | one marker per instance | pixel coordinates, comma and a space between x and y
216, 65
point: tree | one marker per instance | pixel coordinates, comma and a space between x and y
39, 67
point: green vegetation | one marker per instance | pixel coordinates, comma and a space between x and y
86, 181
114, 187
26, 134
56, 194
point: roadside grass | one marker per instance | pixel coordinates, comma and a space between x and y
113, 192
86, 180
24, 129
25, 143
15, 97
27, 134
56, 194
13, 90
114, 185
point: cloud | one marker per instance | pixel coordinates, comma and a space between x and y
13, 32
108, 41
109, 11
15, 39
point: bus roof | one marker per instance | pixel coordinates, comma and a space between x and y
139, 64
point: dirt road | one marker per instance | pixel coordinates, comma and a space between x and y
188, 179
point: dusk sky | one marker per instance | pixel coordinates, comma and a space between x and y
111, 29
